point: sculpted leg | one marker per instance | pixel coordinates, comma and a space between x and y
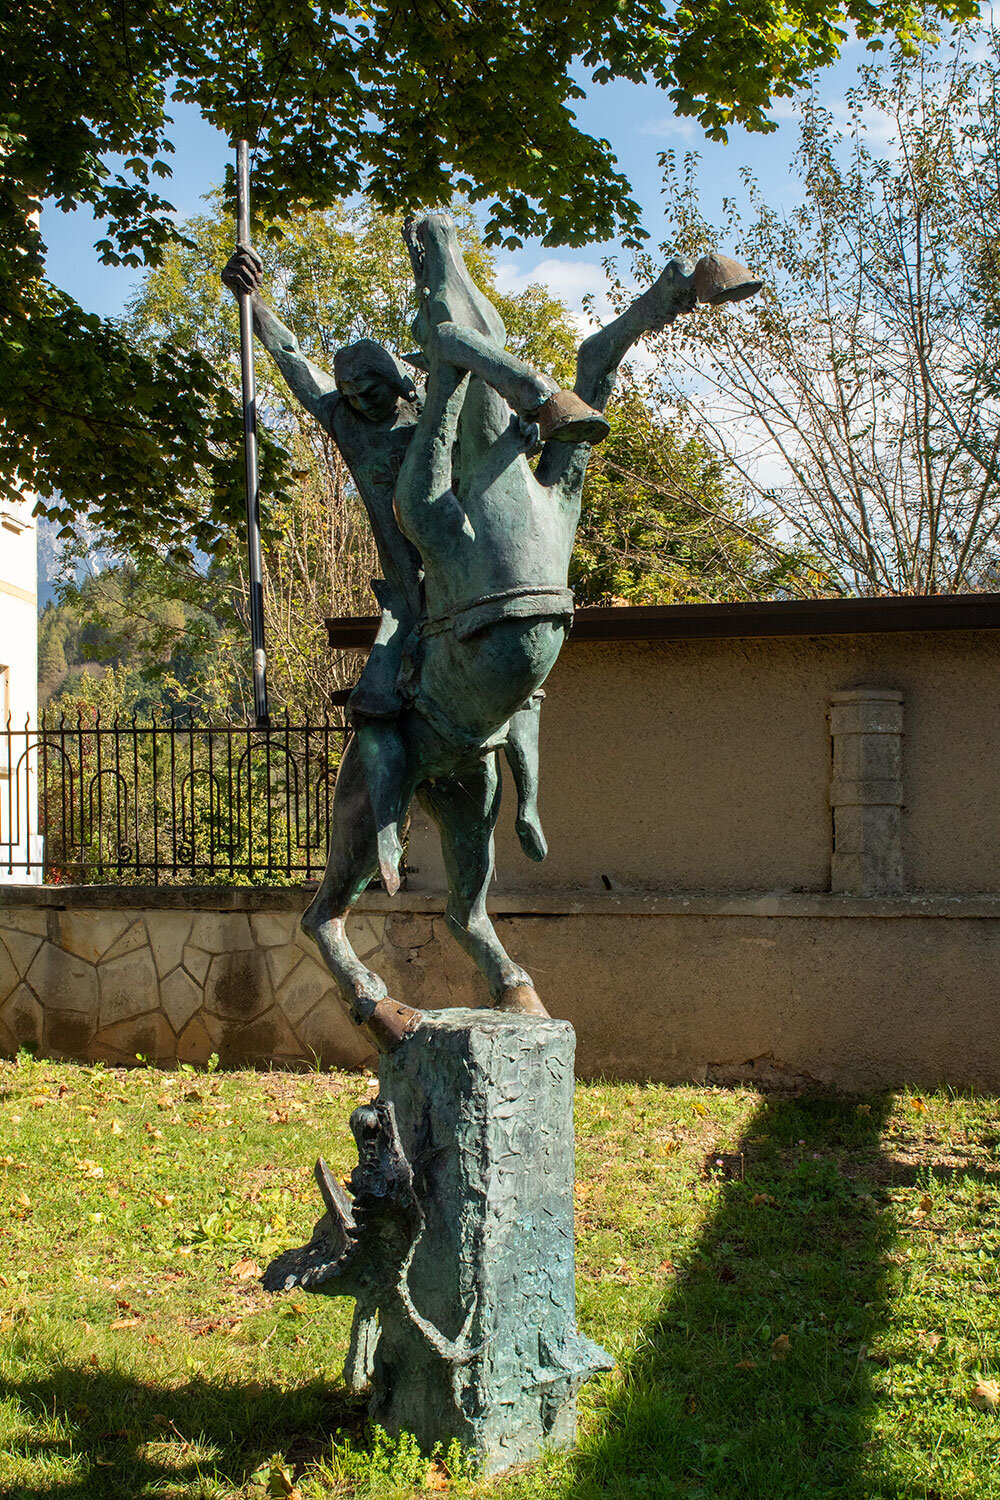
521, 754
465, 808
456, 323
352, 862
560, 415
426, 507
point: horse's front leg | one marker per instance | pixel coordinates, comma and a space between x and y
352, 861
465, 808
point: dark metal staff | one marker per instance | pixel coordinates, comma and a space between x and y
250, 448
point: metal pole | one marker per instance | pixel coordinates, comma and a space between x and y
250, 449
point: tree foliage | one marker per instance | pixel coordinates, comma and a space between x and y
859, 398
406, 104
658, 522
662, 524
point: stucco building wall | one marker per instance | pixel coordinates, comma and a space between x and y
706, 765
18, 687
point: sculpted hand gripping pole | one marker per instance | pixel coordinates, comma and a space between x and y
475, 547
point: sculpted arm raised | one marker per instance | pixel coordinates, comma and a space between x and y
313, 387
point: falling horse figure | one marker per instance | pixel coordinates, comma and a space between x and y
495, 540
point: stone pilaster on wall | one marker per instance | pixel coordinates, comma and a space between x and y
866, 793
173, 986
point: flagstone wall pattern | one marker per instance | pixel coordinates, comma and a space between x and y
171, 986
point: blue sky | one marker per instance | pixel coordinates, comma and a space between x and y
637, 120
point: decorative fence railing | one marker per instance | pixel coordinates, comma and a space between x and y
167, 801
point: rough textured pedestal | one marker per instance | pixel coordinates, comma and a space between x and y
484, 1109
457, 1239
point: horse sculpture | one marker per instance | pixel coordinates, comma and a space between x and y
475, 545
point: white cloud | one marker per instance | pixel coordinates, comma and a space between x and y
569, 280
877, 127
664, 126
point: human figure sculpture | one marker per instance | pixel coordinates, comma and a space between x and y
475, 603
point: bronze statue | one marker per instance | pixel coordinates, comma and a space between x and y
475, 547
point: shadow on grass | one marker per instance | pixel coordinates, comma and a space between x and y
753, 1381
138, 1438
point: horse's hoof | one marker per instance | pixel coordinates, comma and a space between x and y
567, 419
531, 838
521, 1000
390, 1024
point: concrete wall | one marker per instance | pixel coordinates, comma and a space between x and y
846, 992
684, 920
705, 765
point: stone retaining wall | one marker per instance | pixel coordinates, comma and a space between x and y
841, 991
111, 981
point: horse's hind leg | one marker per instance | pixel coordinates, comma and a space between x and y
465, 808
352, 862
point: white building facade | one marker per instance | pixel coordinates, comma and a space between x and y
20, 844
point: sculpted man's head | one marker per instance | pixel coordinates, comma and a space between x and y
370, 379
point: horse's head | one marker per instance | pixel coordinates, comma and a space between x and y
446, 291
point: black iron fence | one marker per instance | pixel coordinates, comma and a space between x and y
169, 800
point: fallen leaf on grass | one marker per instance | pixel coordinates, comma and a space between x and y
125, 1323
116, 1127
24, 1200
279, 1484
928, 1339
202, 1326
762, 1200
245, 1270
985, 1395
437, 1477
152, 1130
781, 1346
746, 1364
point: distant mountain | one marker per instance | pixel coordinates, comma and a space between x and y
52, 566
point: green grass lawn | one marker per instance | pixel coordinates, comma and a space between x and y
801, 1295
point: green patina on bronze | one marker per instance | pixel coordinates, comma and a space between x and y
457, 1239
475, 545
